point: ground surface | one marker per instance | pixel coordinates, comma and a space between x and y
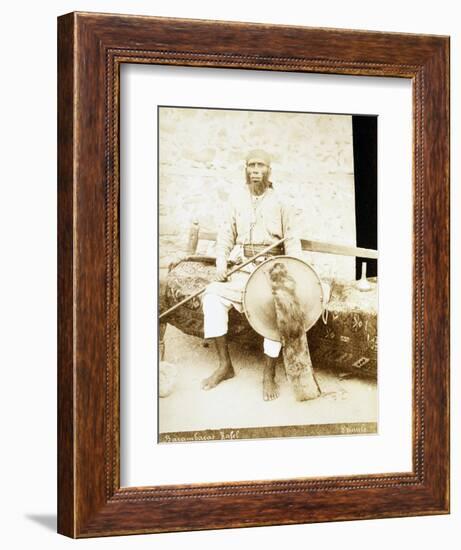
238, 402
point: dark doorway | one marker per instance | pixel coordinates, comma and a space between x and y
365, 146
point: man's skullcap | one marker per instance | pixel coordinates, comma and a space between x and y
258, 154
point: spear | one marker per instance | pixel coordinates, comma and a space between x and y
228, 274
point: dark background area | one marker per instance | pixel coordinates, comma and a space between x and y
365, 146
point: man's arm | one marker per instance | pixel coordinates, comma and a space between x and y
292, 244
225, 242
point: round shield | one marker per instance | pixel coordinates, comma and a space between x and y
290, 278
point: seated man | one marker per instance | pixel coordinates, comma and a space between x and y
256, 218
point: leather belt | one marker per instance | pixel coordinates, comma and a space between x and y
251, 250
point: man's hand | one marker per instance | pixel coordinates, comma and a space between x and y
221, 269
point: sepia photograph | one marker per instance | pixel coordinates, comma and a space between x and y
267, 274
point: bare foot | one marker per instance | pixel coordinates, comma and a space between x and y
220, 374
270, 387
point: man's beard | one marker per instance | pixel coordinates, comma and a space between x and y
258, 187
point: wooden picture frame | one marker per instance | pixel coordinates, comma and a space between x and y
92, 48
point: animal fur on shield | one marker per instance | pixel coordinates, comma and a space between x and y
290, 323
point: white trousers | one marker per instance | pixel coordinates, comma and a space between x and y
216, 315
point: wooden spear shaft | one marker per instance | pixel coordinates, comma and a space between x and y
228, 274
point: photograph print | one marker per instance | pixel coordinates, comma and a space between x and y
268, 274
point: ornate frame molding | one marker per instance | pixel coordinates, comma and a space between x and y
91, 49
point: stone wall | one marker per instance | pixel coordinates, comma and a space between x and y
201, 154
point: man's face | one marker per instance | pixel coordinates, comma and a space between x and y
257, 174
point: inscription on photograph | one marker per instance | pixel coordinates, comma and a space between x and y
267, 288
